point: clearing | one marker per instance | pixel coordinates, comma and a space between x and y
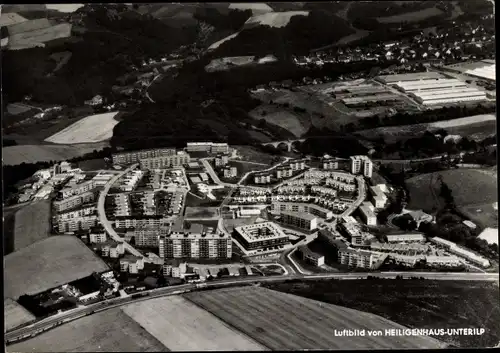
273, 19
181, 325
32, 223
282, 321
94, 128
292, 122
252, 154
47, 264
202, 213
14, 155
415, 303
108, 331
15, 314
470, 188
414, 16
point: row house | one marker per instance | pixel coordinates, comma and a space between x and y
80, 212
141, 222
333, 205
249, 191
250, 199
298, 164
289, 189
291, 198
323, 190
262, 178
340, 185
330, 164
344, 177
308, 181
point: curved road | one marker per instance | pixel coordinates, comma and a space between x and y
51, 322
104, 220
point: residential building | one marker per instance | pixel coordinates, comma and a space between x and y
131, 264
291, 189
199, 146
447, 261
330, 164
310, 256
130, 180
164, 162
78, 189
74, 201
406, 238
379, 199
219, 148
402, 248
457, 250
322, 190
262, 178
122, 205
149, 221
340, 185
284, 172
195, 244
81, 211
298, 164
260, 236
361, 165
102, 179
303, 221
367, 214
221, 160
310, 208
246, 212
147, 236
357, 258
43, 174
97, 237
230, 172
174, 269
79, 223
136, 156
112, 249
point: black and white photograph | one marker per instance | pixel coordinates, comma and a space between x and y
244, 176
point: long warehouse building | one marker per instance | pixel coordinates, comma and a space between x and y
412, 86
449, 96
391, 79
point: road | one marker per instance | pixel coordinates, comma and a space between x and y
44, 325
102, 213
146, 89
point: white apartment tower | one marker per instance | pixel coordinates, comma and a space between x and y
361, 165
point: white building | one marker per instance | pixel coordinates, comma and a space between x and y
361, 165
405, 238
44, 192
304, 221
260, 236
131, 264
367, 213
174, 269
78, 189
311, 257
357, 258
379, 199
455, 249
95, 238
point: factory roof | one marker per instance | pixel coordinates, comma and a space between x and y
411, 76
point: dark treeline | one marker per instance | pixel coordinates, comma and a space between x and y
234, 20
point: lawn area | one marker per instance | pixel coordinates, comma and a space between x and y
252, 154
31, 224
415, 303
202, 212
292, 122
92, 164
15, 314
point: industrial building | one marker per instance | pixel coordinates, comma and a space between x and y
486, 72
260, 236
303, 208
361, 165
455, 249
311, 257
367, 213
303, 221
445, 96
385, 97
136, 156
423, 76
430, 85
163, 162
74, 201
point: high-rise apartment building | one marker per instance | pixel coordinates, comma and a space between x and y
361, 165
136, 156
204, 245
163, 162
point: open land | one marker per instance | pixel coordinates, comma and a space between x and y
201, 212
256, 8
9, 19
274, 19
47, 264
414, 16
471, 189
295, 123
108, 331
252, 154
14, 155
490, 235
282, 321
32, 223
415, 303
181, 325
94, 128
15, 314
38, 36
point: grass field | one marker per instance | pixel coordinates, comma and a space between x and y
256, 8
470, 188
9, 19
180, 325
252, 154
278, 116
414, 16
30, 38
282, 321
92, 164
108, 331
14, 155
47, 264
201, 212
15, 314
94, 128
274, 19
32, 223
415, 303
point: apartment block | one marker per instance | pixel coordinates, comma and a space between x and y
310, 208
361, 165
164, 162
303, 221
74, 201
459, 251
357, 258
321, 190
96, 238
221, 160
297, 164
211, 147
151, 221
204, 245
128, 182
82, 211
284, 172
102, 179
330, 164
219, 148
260, 236
136, 156
79, 223
111, 248
230, 172
148, 236
406, 238
310, 256
262, 178
367, 213
131, 264
379, 198
174, 269
78, 189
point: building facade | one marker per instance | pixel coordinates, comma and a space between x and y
78, 189
361, 165
302, 207
195, 246
74, 201
303, 221
260, 236
136, 156
164, 162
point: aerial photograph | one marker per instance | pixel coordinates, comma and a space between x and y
242, 176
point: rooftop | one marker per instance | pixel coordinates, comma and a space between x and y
302, 215
260, 231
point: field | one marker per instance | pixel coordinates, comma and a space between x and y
108, 331
490, 235
252, 154
92, 164
282, 321
201, 213
471, 188
415, 303
273, 19
35, 37
218, 43
180, 325
15, 314
287, 120
32, 223
94, 128
414, 16
9, 19
14, 155
259, 136
47, 264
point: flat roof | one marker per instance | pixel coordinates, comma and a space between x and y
251, 233
411, 76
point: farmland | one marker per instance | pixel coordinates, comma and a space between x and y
274, 19
47, 264
286, 322
15, 314
32, 223
94, 128
470, 188
9, 19
180, 325
14, 155
414, 16
292, 122
36, 37
108, 331
415, 303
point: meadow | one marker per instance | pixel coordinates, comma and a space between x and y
15, 314
32, 223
